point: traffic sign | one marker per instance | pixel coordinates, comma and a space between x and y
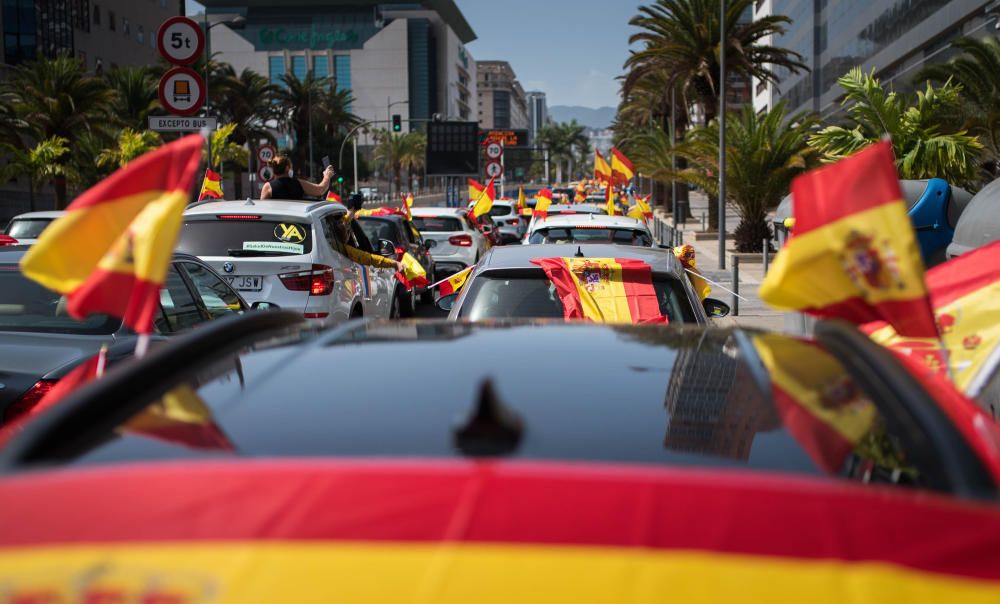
494, 150
265, 153
180, 40
265, 174
182, 91
174, 123
494, 169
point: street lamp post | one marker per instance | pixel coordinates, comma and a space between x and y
722, 134
235, 22
340, 156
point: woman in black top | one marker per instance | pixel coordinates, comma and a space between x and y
285, 186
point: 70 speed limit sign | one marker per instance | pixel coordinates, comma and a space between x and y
180, 40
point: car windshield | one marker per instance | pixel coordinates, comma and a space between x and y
623, 236
501, 210
529, 294
437, 224
27, 228
379, 229
27, 306
245, 238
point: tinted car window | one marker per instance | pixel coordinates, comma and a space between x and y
218, 298
501, 210
445, 224
377, 229
529, 294
27, 228
592, 235
245, 238
179, 310
28, 306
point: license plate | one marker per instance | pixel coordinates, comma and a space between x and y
246, 283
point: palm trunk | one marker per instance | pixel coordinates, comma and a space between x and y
237, 184
60, 186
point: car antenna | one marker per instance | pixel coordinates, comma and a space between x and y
492, 430
249, 202
579, 252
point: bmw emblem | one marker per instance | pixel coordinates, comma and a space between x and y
228, 267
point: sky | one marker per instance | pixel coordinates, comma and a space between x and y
570, 49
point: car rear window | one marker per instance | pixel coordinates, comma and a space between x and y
436, 224
27, 306
592, 235
27, 228
376, 229
529, 294
501, 210
245, 238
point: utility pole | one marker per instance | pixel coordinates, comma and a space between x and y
722, 134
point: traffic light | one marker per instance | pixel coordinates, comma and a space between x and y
397, 123
340, 179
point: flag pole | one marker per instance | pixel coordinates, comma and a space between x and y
719, 285
141, 345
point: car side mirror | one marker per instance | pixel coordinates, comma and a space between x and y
715, 309
386, 248
429, 243
446, 303
261, 305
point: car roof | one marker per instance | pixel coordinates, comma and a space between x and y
437, 211
520, 256
571, 220
283, 207
35, 215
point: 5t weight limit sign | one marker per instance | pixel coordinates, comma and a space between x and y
180, 40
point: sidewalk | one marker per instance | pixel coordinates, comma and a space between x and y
752, 311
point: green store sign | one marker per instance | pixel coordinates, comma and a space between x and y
302, 38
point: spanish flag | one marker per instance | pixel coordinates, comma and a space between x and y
965, 294
602, 171
180, 417
211, 187
580, 194
610, 206
484, 203
854, 254
476, 189
542, 202
685, 254
522, 202
604, 290
413, 274
334, 197
455, 282
110, 252
641, 210
621, 167
455, 531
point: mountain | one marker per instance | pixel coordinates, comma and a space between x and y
592, 118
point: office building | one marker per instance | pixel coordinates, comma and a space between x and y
103, 34
538, 113
502, 101
405, 58
893, 37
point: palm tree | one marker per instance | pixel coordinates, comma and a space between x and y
400, 151
56, 98
977, 71
136, 95
926, 139
314, 101
247, 101
131, 144
40, 163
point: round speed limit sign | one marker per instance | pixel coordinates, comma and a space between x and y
265, 153
494, 150
180, 40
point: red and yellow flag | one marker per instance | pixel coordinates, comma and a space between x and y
602, 170
334, 197
110, 252
621, 168
580, 195
455, 282
818, 402
542, 202
484, 203
413, 274
476, 189
211, 187
965, 295
522, 202
604, 290
854, 254
180, 417
641, 210
610, 206
686, 255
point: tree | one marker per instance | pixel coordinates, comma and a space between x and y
56, 98
248, 101
131, 144
314, 102
39, 163
135, 95
567, 144
225, 151
926, 138
977, 71
400, 151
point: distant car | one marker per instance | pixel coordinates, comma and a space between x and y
405, 238
458, 244
287, 253
506, 284
40, 343
28, 226
590, 228
559, 209
509, 224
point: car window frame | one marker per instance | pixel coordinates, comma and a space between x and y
195, 296
193, 287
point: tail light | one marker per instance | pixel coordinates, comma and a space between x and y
460, 240
238, 217
29, 399
7, 240
399, 253
318, 281
514, 222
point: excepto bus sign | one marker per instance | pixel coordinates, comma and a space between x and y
172, 123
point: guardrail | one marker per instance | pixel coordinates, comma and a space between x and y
666, 234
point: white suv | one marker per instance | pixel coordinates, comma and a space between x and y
287, 253
457, 243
